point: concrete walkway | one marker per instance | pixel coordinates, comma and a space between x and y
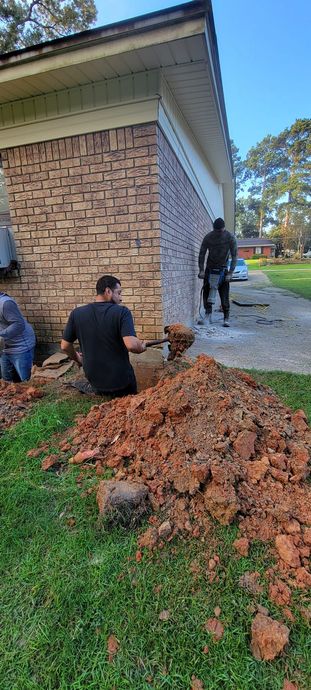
274, 337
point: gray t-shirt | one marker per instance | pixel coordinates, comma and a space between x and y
17, 333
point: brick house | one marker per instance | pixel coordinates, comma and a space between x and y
255, 246
116, 155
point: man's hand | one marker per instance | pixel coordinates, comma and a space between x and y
79, 359
201, 275
228, 276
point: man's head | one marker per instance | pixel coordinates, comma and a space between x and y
108, 289
219, 224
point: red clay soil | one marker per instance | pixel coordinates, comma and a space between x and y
213, 443
181, 338
15, 400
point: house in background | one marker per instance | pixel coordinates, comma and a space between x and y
116, 154
255, 246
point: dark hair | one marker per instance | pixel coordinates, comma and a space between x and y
106, 282
218, 224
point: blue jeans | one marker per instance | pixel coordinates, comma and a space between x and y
17, 367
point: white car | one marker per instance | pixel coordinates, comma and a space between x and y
307, 255
241, 271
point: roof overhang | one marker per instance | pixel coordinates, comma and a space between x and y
180, 41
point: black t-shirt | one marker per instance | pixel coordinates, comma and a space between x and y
99, 327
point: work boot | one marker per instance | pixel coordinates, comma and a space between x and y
205, 320
226, 322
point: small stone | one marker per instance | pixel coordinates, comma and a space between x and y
292, 527
244, 444
242, 546
307, 536
257, 469
165, 529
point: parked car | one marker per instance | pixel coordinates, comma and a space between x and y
241, 271
307, 255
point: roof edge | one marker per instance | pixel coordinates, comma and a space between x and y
108, 32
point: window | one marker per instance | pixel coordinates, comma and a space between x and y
258, 250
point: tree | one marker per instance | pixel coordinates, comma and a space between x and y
263, 163
28, 22
238, 167
293, 184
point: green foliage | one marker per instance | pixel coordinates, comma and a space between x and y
277, 174
238, 167
28, 22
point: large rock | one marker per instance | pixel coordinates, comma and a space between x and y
122, 498
269, 637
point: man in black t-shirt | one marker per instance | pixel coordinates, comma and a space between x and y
106, 334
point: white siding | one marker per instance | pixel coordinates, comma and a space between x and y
189, 153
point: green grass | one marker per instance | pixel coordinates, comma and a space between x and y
293, 277
293, 389
65, 589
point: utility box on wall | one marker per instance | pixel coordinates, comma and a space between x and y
8, 256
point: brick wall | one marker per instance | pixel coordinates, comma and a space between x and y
81, 207
184, 222
249, 252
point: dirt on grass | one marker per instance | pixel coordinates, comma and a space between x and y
15, 401
209, 443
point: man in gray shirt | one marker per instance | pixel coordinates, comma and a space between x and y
19, 341
220, 244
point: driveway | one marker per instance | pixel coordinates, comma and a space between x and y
272, 337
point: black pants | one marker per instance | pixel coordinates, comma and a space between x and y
223, 290
131, 389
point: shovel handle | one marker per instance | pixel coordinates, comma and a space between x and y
150, 343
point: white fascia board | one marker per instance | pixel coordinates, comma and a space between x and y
210, 64
189, 153
229, 206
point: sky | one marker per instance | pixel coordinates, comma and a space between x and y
265, 58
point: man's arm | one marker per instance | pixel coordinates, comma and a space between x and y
134, 344
69, 337
15, 320
67, 347
204, 247
233, 252
127, 328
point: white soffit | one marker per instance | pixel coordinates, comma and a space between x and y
180, 50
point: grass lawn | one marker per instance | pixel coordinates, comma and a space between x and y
293, 277
67, 584
293, 389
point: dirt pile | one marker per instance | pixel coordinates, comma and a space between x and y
210, 443
15, 400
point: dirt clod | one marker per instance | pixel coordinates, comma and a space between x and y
181, 338
269, 637
15, 400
